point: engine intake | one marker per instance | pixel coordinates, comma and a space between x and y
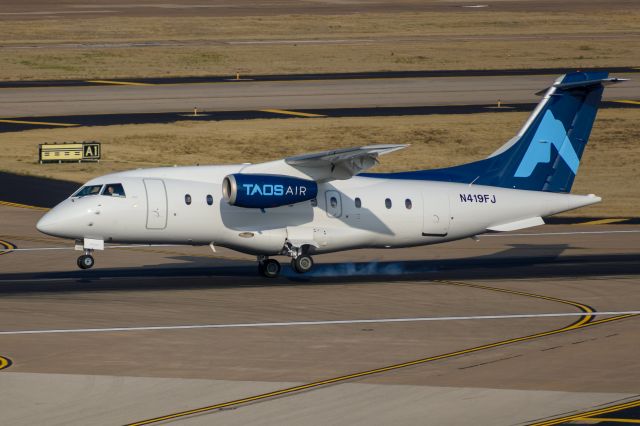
265, 191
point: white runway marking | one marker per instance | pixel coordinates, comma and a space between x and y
326, 41
305, 323
630, 231
67, 12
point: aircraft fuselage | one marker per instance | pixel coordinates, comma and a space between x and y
357, 213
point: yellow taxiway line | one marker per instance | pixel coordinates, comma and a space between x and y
627, 101
4, 362
583, 322
6, 245
121, 83
588, 415
296, 113
39, 123
596, 420
604, 221
22, 206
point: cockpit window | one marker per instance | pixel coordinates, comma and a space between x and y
88, 190
113, 190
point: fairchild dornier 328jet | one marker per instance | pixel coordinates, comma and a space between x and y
323, 202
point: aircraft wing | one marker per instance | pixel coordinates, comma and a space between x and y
340, 164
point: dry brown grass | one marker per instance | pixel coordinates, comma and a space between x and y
610, 166
110, 29
440, 41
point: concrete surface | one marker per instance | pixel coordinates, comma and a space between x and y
117, 400
40, 9
247, 95
126, 376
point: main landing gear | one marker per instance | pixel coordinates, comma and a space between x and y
302, 263
86, 261
270, 268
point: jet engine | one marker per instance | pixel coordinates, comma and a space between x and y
264, 191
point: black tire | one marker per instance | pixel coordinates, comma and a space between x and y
270, 268
86, 261
302, 264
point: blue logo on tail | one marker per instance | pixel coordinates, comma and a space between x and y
550, 132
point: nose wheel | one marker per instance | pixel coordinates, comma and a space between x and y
269, 268
85, 261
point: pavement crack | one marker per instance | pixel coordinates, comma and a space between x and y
489, 362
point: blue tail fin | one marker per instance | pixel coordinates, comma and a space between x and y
545, 154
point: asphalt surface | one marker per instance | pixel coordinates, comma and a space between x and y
467, 372
285, 95
32, 190
69, 9
28, 123
518, 262
319, 76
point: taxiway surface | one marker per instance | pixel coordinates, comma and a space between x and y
71, 367
303, 94
42, 9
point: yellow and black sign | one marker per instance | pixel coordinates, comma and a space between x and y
91, 151
72, 151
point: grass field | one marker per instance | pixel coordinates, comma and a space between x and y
351, 43
609, 168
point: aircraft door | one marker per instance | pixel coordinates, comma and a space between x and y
156, 203
334, 204
435, 214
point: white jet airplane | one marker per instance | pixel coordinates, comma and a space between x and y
321, 203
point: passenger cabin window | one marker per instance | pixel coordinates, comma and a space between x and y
113, 190
408, 204
387, 203
187, 199
334, 202
358, 203
88, 190
210, 199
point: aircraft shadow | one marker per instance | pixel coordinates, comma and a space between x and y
518, 261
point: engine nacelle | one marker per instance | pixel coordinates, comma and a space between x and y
264, 191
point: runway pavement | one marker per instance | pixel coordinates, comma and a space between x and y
285, 95
503, 371
302, 77
27, 123
43, 9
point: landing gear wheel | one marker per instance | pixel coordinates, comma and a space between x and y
85, 261
302, 264
269, 268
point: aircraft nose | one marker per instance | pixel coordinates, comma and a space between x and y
56, 221
46, 224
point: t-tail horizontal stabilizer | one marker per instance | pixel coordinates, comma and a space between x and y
545, 154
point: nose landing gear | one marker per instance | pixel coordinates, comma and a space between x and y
87, 246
